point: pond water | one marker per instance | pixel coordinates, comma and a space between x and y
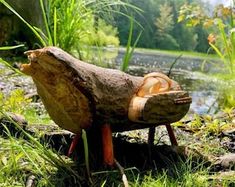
187, 72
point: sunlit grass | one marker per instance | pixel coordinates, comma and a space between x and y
25, 156
32, 116
16, 102
184, 174
21, 159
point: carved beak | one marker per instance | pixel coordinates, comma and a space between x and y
29, 69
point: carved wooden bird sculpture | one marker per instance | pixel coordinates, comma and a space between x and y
78, 95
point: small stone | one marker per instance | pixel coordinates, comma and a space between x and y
226, 161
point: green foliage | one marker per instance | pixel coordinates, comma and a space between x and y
189, 35
166, 41
15, 102
227, 95
189, 38
68, 22
227, 51
192, 13
70, 18
180, 38
145, 21
76, 24
221, 41
103, 35
202, 43
204, 126
222, 37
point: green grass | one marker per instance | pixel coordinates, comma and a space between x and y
26, 156
20, 159
16, 102
185, 179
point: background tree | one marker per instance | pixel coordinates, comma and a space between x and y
179, 36
165, 25
144, 21
82, 22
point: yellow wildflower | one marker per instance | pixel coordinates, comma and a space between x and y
211, 38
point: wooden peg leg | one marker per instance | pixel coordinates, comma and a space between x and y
151, 135
108, 154
107, 143
73, 144
171, 135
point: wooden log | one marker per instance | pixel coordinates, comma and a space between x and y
160, 108
80, 95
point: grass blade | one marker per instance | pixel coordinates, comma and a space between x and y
86, 154
126, 57
55, 27
11, 47
129, 49
10, 66
50, 42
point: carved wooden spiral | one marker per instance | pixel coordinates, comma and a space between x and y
154, 83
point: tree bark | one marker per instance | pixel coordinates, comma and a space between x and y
81, 95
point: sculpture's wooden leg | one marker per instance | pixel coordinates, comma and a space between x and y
73, 144
151, 135
107, 143
108, 154
171, 135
